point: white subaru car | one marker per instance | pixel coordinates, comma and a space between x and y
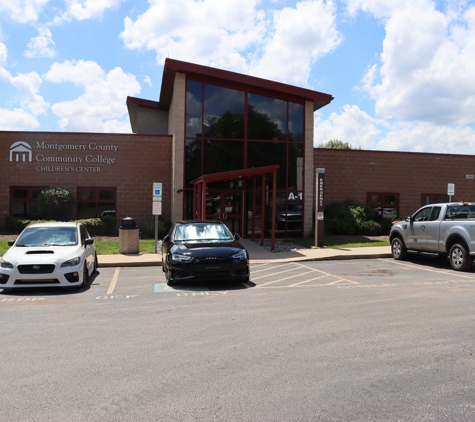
49, 255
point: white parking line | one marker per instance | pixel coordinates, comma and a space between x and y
283, 279
113, 281
418, 267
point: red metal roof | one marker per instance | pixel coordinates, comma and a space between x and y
240, 81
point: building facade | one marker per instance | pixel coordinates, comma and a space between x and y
224, 127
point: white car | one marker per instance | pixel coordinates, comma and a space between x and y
49, 255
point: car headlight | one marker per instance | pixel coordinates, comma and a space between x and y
180, 258
6, 264
72, 262
242, 255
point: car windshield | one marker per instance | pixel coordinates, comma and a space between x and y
202, 231
48, 236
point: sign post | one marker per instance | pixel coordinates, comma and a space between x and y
156, 208
319, 208
450, 190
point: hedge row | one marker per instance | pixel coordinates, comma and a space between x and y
104, 226
349, 218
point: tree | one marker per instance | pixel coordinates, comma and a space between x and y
55, 204
336, 144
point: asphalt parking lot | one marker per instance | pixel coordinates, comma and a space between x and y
331, 340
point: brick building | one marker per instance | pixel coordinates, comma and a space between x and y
209, 122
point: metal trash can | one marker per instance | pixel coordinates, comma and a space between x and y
128, 237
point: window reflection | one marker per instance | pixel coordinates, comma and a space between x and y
194, 97
223, 112
192, 160
222, 156
295, 177
267, 118
266, 154
296, 122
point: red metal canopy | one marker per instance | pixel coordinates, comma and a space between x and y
199, 192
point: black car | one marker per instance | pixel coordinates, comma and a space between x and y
203, 251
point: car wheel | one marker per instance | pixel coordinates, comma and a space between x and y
85, 276
460, 260
398, 249
167, 278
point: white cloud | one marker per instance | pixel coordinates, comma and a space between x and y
353, 126
23, 11
101, 105
42, 45
360, 129
17, 119
238, 36
28, 85
428, 137
31, 102
427, 61
297, 38
85, 9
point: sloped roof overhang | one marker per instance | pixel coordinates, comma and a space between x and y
225, 77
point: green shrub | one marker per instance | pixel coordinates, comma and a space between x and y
55, 204
148, 231
17, 225
109, 225
93, 225
370, 228
349, 218
386, 224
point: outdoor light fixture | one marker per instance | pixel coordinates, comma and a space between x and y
239, 182
179, 191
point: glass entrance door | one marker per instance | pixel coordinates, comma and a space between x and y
225, 205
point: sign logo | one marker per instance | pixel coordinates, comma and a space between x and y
21, 152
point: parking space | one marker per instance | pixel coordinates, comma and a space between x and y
136, 283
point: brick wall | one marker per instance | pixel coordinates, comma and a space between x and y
139, 161
350, 174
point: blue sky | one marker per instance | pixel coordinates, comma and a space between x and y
402, 72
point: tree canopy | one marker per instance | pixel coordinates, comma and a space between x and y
337, 144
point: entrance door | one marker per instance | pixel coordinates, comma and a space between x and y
225, 205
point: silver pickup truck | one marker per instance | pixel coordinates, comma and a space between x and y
444, 229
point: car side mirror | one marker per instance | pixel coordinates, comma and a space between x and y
89, 241
237, 237
409, 219
11, 242
166, 238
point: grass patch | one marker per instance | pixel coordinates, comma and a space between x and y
111, 247
103, 247
344, 242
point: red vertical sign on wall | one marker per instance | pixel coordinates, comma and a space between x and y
319, 207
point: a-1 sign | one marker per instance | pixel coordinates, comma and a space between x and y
450, 189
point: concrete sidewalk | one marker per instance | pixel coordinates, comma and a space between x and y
257, 254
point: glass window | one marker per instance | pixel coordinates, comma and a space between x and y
267, 118
192, 160
24, 201
92, 202
430, 198
223, 112
385, 205
266, 154
296, 122
295, 176
223, 156
435, 213
194, 102
423, 215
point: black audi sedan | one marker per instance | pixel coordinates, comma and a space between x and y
203, 251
